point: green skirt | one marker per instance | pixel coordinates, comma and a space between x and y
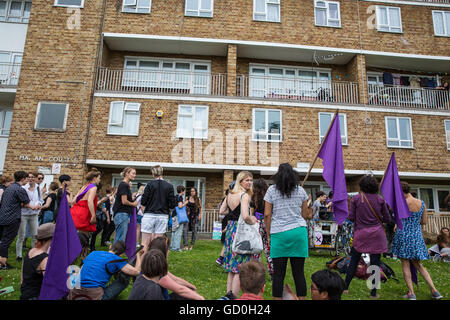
291, 243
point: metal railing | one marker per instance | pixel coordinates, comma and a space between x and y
399, 96
9, 74
208, 219
145, 81
435, 221
297, 89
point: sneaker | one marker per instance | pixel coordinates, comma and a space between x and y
19, 259
219, 261
230, 295
6, 267
436, 295
410, 296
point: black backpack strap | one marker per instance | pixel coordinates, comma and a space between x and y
113, 261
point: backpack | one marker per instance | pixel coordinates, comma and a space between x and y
361, 271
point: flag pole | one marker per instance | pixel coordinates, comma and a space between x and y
320, 148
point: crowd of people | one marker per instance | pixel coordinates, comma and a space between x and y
282, 211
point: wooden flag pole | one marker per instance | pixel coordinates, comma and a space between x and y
320, 148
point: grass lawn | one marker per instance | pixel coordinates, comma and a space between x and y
198, 267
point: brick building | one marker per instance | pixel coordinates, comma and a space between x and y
241, 85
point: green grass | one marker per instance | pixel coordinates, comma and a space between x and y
198, 267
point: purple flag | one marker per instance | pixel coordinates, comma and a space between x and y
333, 170
391, 189
130, 241
64, 249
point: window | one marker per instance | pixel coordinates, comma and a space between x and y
389, 19
266, 125
5, 122
442, 197
51, 116
447, 132
399, 132
280, 81
324, 122
192, 122
69, 3
327, 13
167, 75
15, 11
441, 22
199, 8
266, 10
137, 6
124, 118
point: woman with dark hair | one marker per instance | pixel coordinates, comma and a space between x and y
194, 211
409, 245
286, 207
260, 187
48, 209
368, 212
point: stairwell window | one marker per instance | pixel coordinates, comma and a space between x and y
51, 116
324, 122
447, 132
69, 3
137, 6
266, 10
389, 19
5, 122
441, 22
199, 8
399, 132
15, 11
124, 118
327, 13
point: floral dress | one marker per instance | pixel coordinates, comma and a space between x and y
409, 243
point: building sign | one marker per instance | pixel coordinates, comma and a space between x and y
56, 168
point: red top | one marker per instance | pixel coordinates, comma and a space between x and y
250, 296
82, 216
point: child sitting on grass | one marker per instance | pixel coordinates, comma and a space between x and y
252, 277
146, 286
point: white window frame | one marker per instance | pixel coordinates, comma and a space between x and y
126, 106
51, 129
388, 19
266, 3
344, 135
192, 115
3, 113
266, 131
444, 20
447, 133
22, 17
132, 4
398, 133
327, 9
68, 6
199, 10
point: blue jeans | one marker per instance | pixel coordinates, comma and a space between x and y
121, 220
114, 290
48, 217
176, 238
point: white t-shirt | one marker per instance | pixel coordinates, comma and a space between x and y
286, 212
34, 200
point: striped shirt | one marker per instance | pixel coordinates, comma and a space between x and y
10, 208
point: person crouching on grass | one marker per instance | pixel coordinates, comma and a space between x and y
252, 277
326, 285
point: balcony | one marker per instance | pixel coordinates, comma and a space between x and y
161, 82
265, 87
9, 74
407, 97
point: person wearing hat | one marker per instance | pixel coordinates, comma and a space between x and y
35, 262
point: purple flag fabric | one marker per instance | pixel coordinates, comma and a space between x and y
333, 170
64, 249
413, 273
130, 241
392, 192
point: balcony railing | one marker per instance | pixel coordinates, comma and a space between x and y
399, 96
140, 81
9, 74
297, 89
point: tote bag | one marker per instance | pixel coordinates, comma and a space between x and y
182, 215
247, 239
